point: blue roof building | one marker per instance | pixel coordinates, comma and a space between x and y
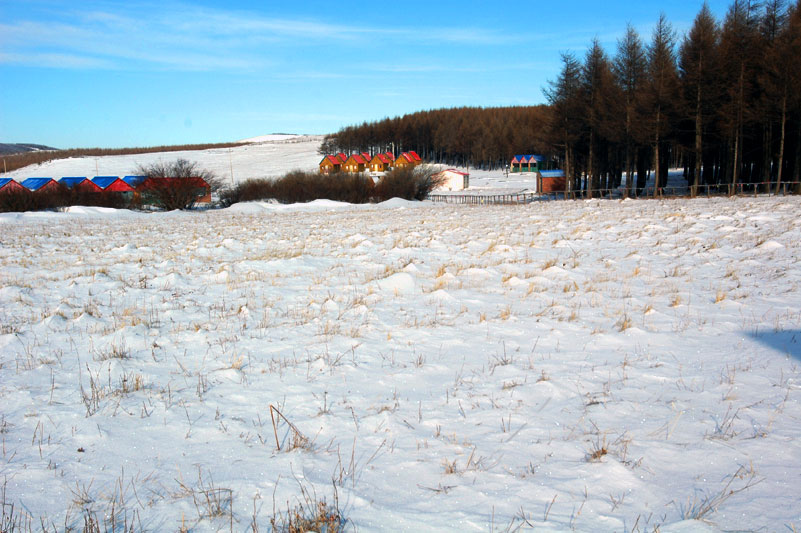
134, 181
79, 182
38, 184
526, 163
72, 181
104, 181
552, 173
10, 185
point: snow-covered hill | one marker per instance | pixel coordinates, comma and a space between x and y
267, 156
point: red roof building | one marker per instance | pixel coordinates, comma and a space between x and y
330, 164
408, 159
380, 163
355, 164
452, 180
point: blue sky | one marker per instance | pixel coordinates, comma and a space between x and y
142, 73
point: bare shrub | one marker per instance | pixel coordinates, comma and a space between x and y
19, 201
25, 200
409, 183
177, 184
300, 187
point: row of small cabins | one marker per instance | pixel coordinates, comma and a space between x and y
356, 163
132, 185
548, 181
382, 162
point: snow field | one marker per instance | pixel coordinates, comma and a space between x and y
586, 366
268, 156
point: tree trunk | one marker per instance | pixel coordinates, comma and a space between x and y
591, 166
739, 129
699, 152
797, 166
781, 141
657, 166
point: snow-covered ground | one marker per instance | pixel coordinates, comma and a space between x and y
264, 157
587, 366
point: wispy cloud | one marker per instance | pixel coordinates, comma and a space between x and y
55, 60
149, 35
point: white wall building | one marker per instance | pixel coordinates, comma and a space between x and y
453, 180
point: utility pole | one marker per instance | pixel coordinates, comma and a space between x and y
231, 164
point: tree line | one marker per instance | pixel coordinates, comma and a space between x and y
466, 136
37, 157
722, 102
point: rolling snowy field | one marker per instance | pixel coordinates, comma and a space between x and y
587, 366
267, 156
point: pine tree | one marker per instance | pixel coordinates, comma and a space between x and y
629, 68
564, 97
601, 101
699, 77
660, 95
738, 46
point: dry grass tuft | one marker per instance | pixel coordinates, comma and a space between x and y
309, 514
598, 449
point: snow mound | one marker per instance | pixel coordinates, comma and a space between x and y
402, 283
770, 245
395, 203
262, 206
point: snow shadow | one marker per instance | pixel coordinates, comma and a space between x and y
787, 342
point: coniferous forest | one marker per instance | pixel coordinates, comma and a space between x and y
722, 101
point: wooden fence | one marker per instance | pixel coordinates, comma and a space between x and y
706, 191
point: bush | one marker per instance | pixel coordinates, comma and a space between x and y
182, 190
300, 187
409, 183
20, 201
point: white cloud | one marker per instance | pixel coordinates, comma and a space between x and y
185, 37
56, 60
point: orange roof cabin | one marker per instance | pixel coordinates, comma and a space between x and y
10, 185
381, 162
355, 164
330, 164
407, 159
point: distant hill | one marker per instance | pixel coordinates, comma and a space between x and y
18, 148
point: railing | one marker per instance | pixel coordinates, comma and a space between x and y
707, 191
485, 199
